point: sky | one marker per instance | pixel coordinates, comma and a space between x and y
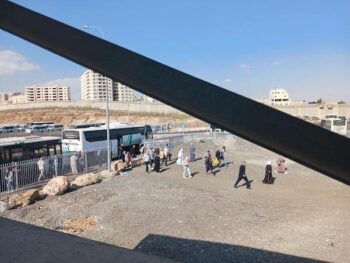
247, 46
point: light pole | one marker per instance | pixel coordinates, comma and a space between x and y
107, 107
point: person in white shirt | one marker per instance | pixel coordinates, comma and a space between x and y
146, 160
180, 157
41, 167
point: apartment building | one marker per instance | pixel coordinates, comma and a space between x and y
17, 97
148, 99
96, 87
47, 93
122, 93
279, 97
3, 97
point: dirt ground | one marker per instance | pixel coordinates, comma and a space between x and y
88, 115
304, 216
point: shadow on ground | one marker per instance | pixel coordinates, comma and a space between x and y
21, 242
187, 250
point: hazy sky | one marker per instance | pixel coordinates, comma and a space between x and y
246, 46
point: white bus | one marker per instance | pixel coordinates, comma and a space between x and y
335, 125
37, 129
8, 129
331, 116
55, 127
87, 139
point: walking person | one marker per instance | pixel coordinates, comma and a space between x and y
192, 153
157, 163
242, 175
9, 181
55, 165
208, 162
268, 174
186, 169
222, 156
166, 154
41, 167
133, 152
180, 157
152, 157
74, 163
281, 166
146, 160
128, 159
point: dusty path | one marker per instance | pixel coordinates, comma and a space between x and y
204, 219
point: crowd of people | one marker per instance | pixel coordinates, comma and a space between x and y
153, 158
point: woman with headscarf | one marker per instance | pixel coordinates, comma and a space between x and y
180, 157
268, 174
192, 153
156, 162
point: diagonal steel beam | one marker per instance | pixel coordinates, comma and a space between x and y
303, 142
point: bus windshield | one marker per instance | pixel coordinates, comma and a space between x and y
338, 122
71, 135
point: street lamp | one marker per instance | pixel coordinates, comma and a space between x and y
107, 107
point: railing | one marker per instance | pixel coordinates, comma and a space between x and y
25, 174
174, 140
17, 176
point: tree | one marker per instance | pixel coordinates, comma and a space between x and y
341, 102
319, 101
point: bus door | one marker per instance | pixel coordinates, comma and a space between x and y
115, 144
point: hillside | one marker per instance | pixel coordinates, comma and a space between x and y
85, 115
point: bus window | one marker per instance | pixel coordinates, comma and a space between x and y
40, 151
52, 149
339, 122
58, 148
17, 154
71, 135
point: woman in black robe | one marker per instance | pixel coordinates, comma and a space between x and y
268, 174
157, 163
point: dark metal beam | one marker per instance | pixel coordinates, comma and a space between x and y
303, 142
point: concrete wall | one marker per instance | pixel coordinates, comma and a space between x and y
319, 111
115, 106
296, 110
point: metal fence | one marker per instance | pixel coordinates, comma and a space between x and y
174, 140
25, 174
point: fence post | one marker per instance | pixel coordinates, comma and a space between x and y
16, 171
86, 163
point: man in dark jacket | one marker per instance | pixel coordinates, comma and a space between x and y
242, 175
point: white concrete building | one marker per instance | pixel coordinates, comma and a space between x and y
122, 93
95, 86
148, 99
47, 93
279, 97
3, 97
18, 97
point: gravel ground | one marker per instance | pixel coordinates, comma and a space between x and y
303, 216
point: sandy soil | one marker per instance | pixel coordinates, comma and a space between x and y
303, 216
82, 115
